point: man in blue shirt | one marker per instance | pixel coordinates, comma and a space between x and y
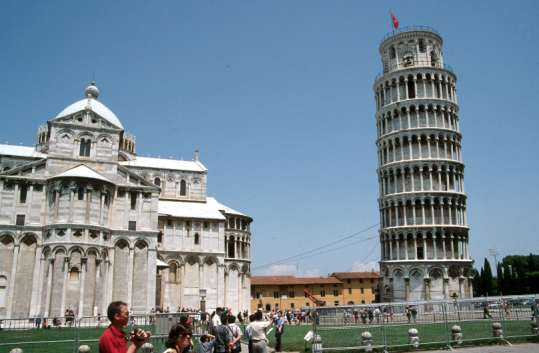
279, 330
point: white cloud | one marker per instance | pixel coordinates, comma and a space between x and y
365, 266
281, 270
290, 270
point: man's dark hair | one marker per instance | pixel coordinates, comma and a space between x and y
231, 319
224, 318
175, 332
114, 308
258, 315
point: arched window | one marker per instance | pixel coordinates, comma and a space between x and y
173, 272
85, 146
157, 181
231, 245
183, 188
392, 53
197, 239
74, 274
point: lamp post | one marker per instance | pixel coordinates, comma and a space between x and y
202, 293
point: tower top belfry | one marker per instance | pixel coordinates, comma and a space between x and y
415, 46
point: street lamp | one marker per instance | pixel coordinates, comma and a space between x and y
202, 293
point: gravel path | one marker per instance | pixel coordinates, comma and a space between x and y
516, 348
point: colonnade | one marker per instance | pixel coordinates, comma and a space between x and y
424, 146
413, 115
424, 246
412, 178
238, 246
415, 85
428, 210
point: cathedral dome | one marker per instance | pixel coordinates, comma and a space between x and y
91, 103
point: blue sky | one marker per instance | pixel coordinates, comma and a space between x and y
278, 97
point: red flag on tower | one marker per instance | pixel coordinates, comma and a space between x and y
394, 20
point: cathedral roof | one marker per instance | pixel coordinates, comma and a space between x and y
224, 208
82, 171
91, 103
162, 163
186, 209
20, 151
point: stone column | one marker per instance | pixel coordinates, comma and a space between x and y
442, 220
390, 246
405, 213
49, 287
65, 268
412, 172
451, 239
435, 251
83, 269
35, 302
398, 247
423, 211
98, 295
413, 214
425, 252
397, 214
130, 276
430, 179
151, 278
406, 89
11, 289
443, 246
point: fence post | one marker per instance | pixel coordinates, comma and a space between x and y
76, 339
446, 322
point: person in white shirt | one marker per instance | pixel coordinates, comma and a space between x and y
257, 331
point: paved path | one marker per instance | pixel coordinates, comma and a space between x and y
516, 348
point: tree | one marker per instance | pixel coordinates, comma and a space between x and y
487, 280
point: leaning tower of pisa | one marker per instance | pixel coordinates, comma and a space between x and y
423, 227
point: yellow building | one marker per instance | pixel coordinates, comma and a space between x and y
358, 287
289, 292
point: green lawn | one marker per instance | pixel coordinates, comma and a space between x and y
345, 336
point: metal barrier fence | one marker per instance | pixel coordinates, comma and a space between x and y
34, 335
424, 324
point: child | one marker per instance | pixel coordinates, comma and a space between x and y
206, 344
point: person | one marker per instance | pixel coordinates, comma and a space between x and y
249, 334
279, 329
486, 312
179, 339
356, 316
223, 336
363, 315
408, 313
37, 322
377, 314
370, 315
413, 310
113, 339
257, 329
207, 342
235, 331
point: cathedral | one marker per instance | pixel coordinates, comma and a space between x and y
84, 221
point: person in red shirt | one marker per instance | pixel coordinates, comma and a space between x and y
113, 339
